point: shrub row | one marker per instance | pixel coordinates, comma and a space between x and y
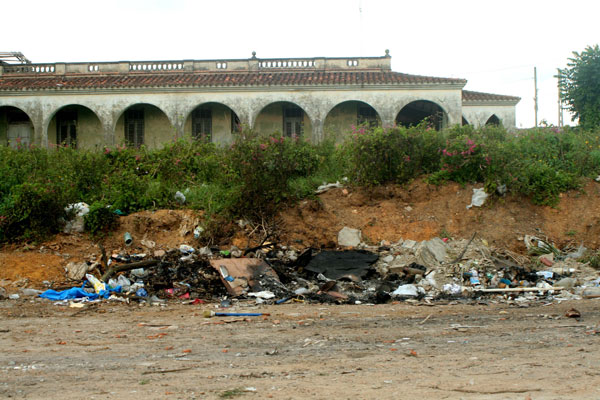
254, 175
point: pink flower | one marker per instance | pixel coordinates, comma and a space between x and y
263, 146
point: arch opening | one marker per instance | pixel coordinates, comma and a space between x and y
422, 110
464, 121
212, 122
16, 128
144, 124
493, 120
75, 126
283, 117
342, 119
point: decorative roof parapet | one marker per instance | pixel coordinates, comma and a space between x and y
221, 65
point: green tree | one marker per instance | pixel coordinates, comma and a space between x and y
580, 86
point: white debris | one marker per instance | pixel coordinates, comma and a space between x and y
78, 210
407, 291
76, 270
265, 294
478, 198
180, 197
349, 237
328, 186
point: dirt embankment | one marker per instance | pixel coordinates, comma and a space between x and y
416, 211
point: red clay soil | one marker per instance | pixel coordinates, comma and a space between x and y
420, 211
416, 211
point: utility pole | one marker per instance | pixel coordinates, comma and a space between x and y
560, 108
560, 102
535, 98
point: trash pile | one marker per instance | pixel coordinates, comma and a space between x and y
355, 273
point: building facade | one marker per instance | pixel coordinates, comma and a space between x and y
92, 105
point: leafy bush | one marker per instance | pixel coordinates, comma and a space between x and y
264, 168
100, 219
31, 210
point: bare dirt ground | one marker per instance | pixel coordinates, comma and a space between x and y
465, 350
445, 351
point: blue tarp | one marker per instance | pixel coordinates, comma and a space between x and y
78, 293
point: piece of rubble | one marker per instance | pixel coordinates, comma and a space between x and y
241, 275
409, 244
76, 270
431, 253
349, 237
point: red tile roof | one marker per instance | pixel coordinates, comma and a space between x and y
218, 79
468, 95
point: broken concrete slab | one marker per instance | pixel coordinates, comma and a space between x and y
409, 244
76, 270
241, 275
349, 237
431, 253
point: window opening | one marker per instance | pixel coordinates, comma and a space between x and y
293, 121
134, 127
66, 128
202, 124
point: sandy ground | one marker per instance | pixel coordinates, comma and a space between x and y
466, 350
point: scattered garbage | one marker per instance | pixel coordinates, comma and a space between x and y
179, 197
127, 239
77, 211
328, 186
408, 270
478, 198
243, 275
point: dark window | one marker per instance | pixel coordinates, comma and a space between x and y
236, 126
366, 115
293, 121
66, 128
134, 127
202, 124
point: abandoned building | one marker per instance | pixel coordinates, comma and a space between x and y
92, 105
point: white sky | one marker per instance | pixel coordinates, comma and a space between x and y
493, 44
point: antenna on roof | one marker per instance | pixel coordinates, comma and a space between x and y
13, 56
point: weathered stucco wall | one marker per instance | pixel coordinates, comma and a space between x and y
477, 115
170, 118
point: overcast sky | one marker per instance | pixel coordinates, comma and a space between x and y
493, 44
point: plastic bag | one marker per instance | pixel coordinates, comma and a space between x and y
96, 283
478, 198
